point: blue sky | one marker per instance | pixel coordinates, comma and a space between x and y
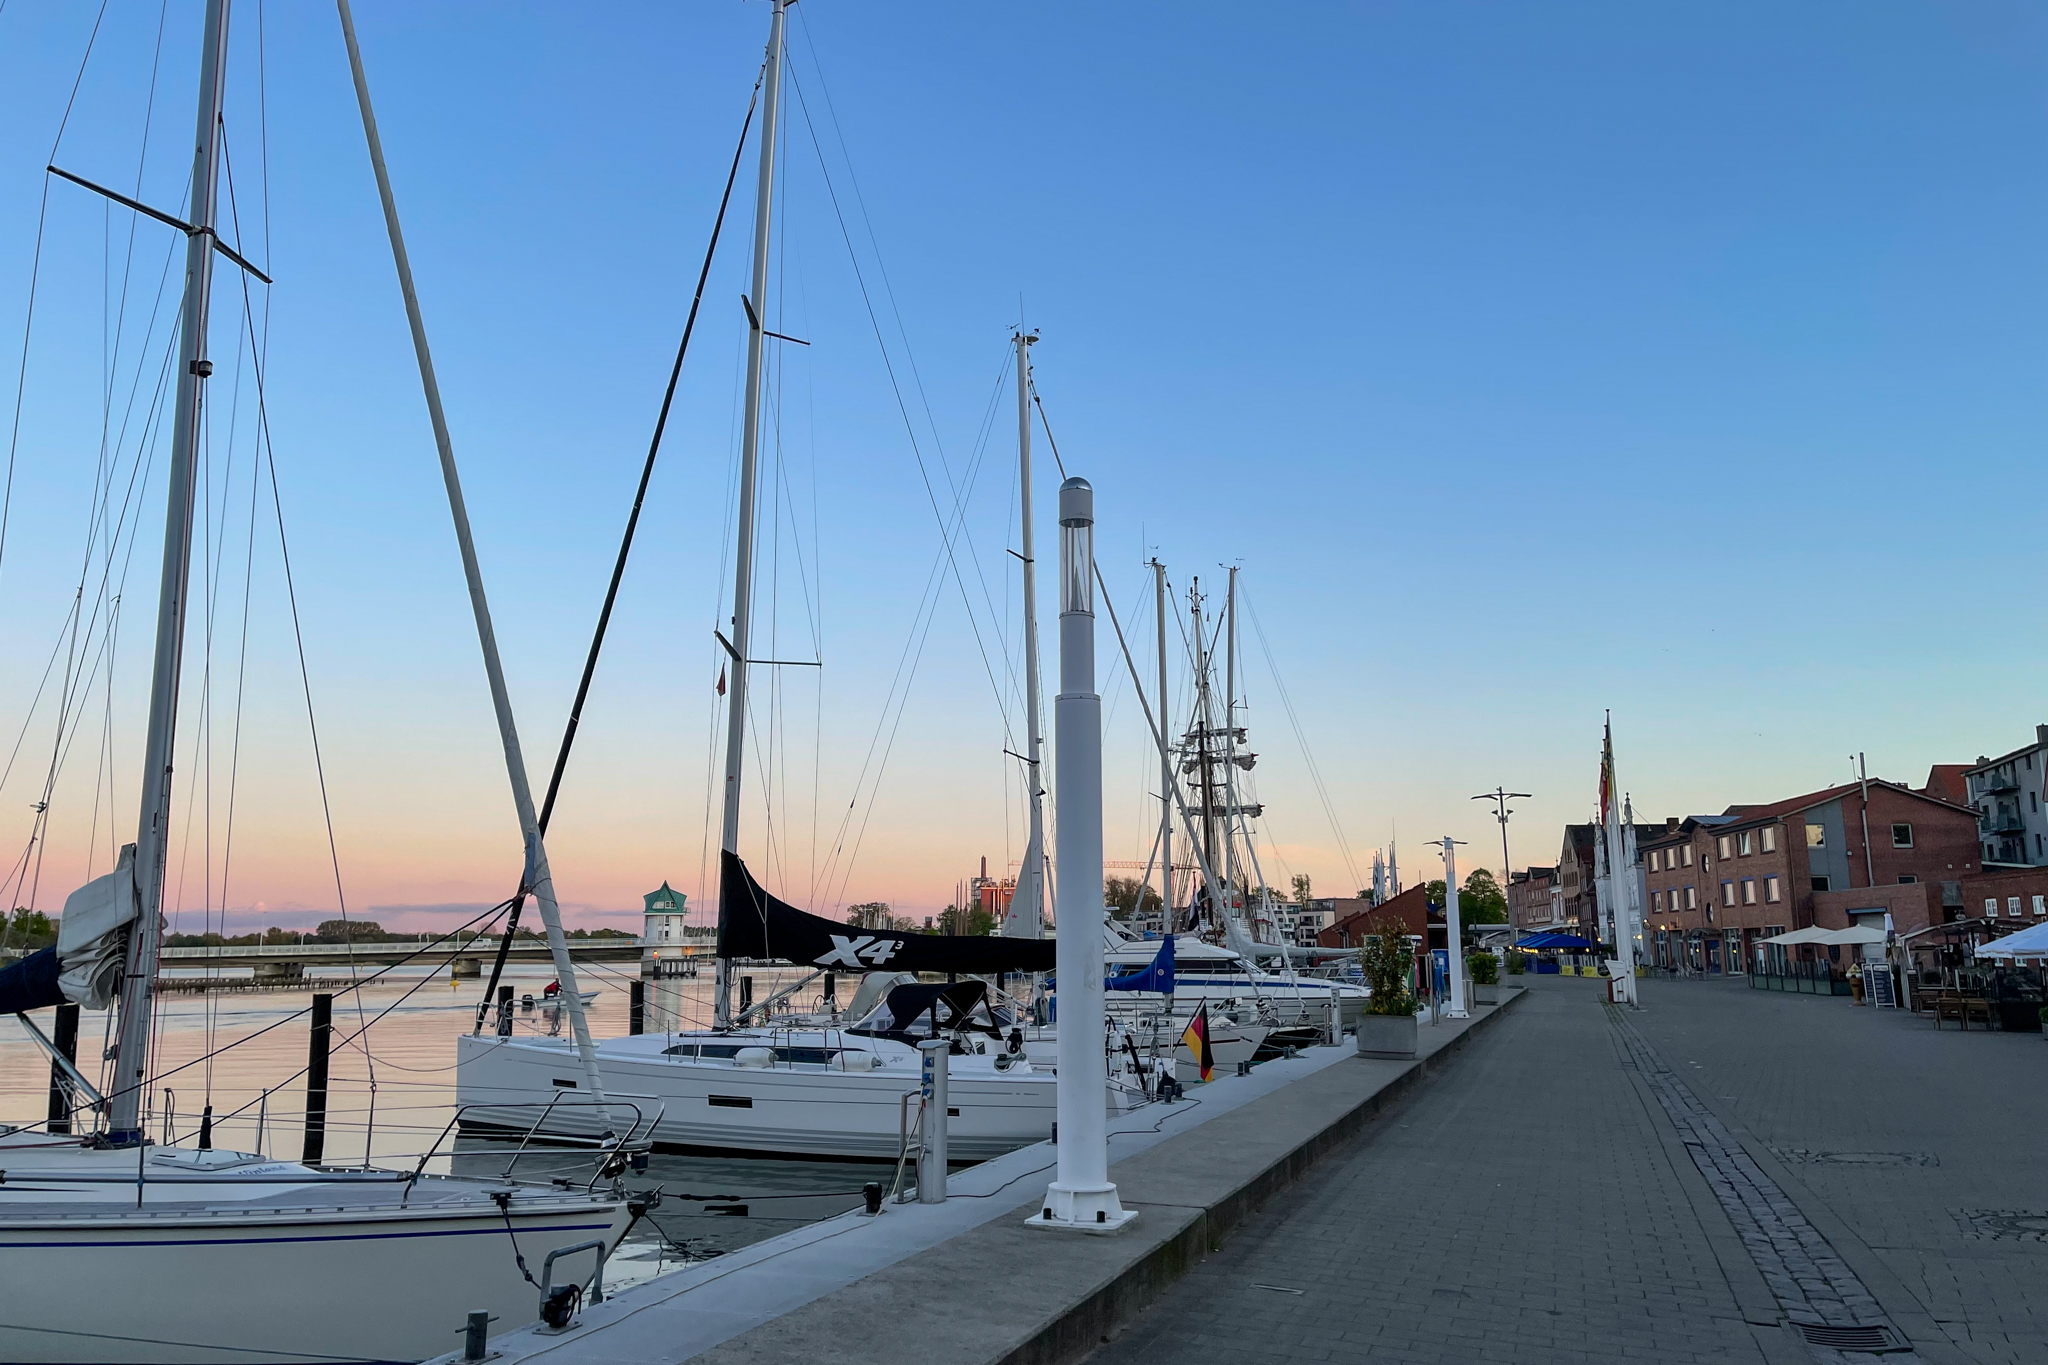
1532, 361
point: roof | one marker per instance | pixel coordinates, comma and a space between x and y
1982, 763
1945, 780
1757, 815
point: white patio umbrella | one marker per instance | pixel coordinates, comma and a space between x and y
2029, 942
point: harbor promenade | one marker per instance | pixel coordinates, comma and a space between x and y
1686, 1182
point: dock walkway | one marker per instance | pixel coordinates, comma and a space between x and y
965, 1281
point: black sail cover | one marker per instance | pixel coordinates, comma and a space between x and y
752, 923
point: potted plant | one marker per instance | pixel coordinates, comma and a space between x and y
1517, 961
1485, 969
1387, 1028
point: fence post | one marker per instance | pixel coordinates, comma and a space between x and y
66, 1043
316, 1079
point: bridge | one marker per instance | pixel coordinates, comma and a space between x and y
290, 959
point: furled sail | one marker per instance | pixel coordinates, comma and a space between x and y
752, 923
91, 952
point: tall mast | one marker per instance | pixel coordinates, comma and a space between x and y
145, 939
1230, 867
1201, 734
1166, 794
1026, 916
535, 877
750, 456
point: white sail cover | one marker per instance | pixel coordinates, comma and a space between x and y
92, 940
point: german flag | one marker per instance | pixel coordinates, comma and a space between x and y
1196, 1040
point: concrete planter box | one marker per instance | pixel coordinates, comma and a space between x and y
1483, 994
1386, 1035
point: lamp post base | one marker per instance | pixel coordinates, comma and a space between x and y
1085, 1208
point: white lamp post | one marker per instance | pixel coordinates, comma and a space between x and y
1081, 1197
1454, 961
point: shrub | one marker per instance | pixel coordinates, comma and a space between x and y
1485, 968
1517, 962
1389, 965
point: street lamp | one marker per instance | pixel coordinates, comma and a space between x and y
1500, 797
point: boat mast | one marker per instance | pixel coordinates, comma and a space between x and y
145, 939
750, 452
1025, 917
1231, 874
1165, 757
536, 876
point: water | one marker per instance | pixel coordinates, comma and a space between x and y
394, 1102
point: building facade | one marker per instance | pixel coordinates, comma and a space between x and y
1535, 903
2006, 794
1720, 885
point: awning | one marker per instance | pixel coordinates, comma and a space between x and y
2029, 942
1797, 936
1861, 933
1571, 941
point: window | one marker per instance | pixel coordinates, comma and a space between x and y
1908, 880
1820, 883
1726, 845
1902, 836
1742, 845
2012, 906
1727, 893
1692, 900
1771, 890
2033, 800
1749, 891
2041, 905
1656, 900
1816, 835
1770, 838
1653, 860
1685, 854
1991, 907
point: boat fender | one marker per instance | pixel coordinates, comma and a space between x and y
854, 1061
754, 1056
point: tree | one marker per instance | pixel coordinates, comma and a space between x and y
1129, 896
1482, 901
349, 931
1388, 961
29, 929
870, 915
1479, 900
1303, 890
974, 920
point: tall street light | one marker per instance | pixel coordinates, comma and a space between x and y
1500, 797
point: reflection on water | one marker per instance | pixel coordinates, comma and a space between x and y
394, 1101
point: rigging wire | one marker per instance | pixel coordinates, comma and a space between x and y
34, 277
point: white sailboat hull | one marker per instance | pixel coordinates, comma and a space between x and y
800, 1110
226, 1285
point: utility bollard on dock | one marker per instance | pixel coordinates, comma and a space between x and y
473, 1334
931, 1156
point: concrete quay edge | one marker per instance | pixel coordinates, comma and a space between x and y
968, 1282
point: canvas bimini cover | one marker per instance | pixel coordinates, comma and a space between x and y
752, 923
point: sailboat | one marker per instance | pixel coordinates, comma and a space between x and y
832, 1088
118, 1246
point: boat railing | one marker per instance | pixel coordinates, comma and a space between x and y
608, 1143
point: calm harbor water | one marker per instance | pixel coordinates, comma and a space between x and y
394, 1100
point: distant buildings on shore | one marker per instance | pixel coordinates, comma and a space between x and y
1970, 843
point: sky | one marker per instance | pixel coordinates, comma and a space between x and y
1531, 363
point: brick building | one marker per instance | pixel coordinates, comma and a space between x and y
1718, 884
1577, 909
1411, 907
1534, 902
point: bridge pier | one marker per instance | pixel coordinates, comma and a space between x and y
465, 967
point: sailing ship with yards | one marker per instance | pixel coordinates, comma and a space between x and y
119, 1245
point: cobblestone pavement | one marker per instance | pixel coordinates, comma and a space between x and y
1918, 1154
1536, 1203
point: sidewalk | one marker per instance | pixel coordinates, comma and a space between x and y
1539, 1202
